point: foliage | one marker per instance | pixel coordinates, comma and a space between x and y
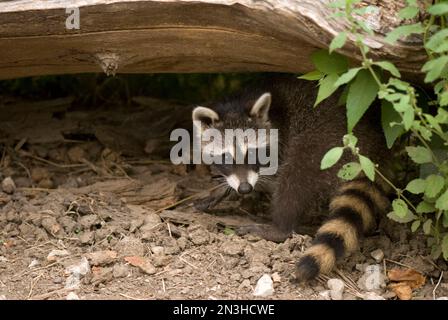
403, 111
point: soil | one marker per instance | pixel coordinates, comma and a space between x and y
91, 208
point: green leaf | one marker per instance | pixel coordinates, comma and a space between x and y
361, 94
416, 186
415, 225
399, 84
347, 77
434, 68
331, 157
326, 88
443, 99
338, 41
427, 226
434, 184
408, 12
389, 116
442, 201
368, 167
445, 247
349, 140
404, 31
407, 218
436, 251
388, 66
403, 105
419, 154
425, 207
438, 41
329, 63
400, 208
349, 171
408, 118
445, 219
312, 76
438, 9
228, 231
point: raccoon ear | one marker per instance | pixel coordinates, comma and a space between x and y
205, 115
260, 109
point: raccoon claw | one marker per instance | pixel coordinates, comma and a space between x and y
264, 231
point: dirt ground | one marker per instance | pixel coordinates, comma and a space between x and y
92, 209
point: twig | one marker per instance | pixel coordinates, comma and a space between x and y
437, 285
33, 284
188, 198
49, 294
75, 165
190, 264
129, 297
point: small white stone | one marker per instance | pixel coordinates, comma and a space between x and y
33, 263
72, 296
442, 298
336, 287
372, 296
325, 294
378, 255
3, 297
158, 250
372, 279
264, 287
8, 185
3, 259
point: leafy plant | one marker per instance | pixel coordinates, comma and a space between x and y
403, 111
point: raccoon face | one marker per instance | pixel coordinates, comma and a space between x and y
230, 137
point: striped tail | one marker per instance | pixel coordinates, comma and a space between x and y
353, 213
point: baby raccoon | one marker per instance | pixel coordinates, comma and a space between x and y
305, 134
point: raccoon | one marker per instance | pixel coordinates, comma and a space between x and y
305, 134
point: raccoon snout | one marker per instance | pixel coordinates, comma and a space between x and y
245, 188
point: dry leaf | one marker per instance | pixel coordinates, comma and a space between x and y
143, 263
402, 290
411, 277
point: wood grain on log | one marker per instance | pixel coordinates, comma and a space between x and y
181, 36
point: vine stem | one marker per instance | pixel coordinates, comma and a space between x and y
397, 190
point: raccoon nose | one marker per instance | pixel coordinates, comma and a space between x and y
245, 187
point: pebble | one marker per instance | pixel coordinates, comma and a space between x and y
372, 296
8, 185
33, 263
276, 277
158, 250
325, 294
442, 298
198, 235
120, 271
264, 287
372, 279
377, 255
336, 287
72, 296
87, 237
103, 257
54, 254
130, 246
233, 248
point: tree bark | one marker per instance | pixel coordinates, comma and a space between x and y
142, 36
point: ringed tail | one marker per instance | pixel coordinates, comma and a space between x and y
353, 213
